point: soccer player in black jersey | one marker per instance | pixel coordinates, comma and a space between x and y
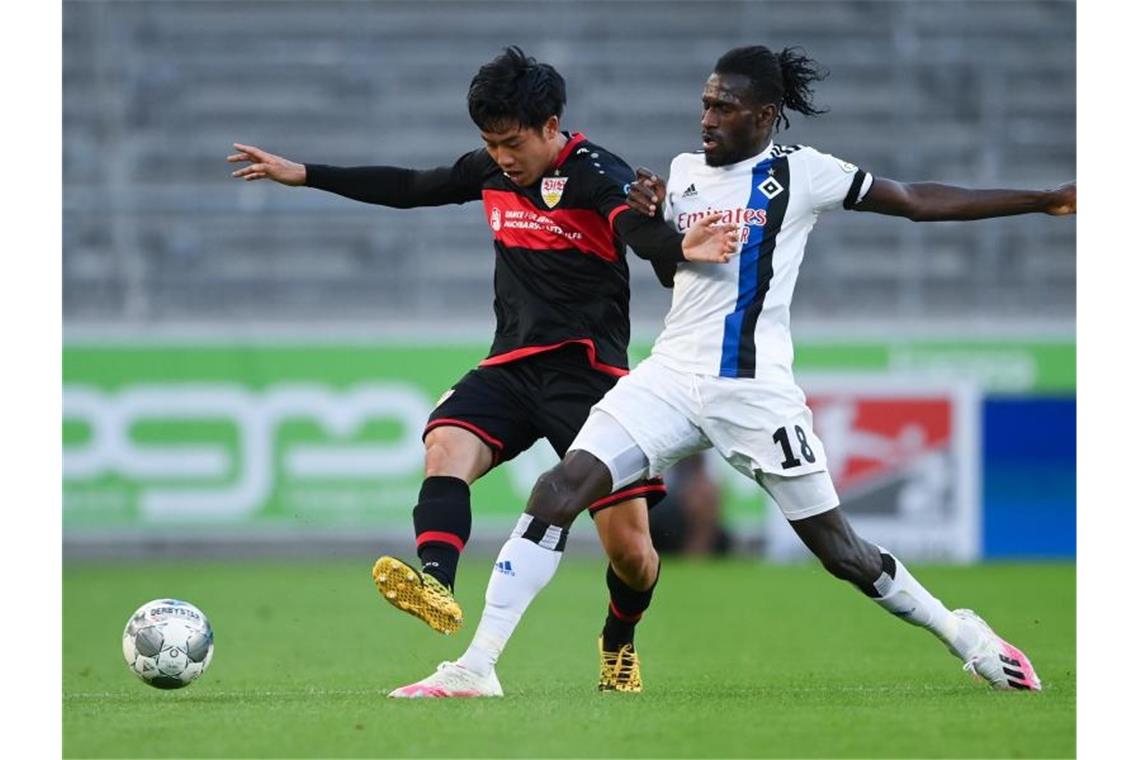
555, 205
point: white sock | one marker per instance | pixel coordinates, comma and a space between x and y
524, 566
906, 598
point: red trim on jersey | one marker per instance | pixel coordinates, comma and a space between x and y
518, 223
522, 353
489, 439
625, 495
615, 212
623, 617
575, 140
439, 537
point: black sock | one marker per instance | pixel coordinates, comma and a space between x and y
626, 608
443, 524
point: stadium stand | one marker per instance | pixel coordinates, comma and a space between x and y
154, 94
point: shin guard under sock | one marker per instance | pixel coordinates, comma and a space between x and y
442, 521
524, 566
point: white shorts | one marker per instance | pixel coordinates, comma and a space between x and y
655, 416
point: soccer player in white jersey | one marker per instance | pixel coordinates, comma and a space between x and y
720, 374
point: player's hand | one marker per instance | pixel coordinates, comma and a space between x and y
646, 193
711, 240
263, 165
1062, 200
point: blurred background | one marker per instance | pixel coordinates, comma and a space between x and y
247, 367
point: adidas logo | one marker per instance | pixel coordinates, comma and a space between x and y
690, 191
504, 567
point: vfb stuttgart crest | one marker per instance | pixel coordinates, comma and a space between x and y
552, 188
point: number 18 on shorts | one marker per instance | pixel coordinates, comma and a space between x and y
761, 426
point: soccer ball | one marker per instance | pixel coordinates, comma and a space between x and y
168, 643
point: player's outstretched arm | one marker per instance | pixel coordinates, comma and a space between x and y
706, 241
381, 185
935, 202
262, 164
646, 195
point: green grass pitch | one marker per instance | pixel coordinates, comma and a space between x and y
740, 659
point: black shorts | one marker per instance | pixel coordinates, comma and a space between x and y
547, 395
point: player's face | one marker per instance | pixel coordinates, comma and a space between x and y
523, 153
732, 128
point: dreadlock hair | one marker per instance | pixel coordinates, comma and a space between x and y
515, 89
784, 78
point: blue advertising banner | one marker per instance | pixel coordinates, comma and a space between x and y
1029, 491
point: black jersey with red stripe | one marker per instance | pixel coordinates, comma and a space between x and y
560, 270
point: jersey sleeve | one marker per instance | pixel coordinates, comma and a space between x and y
834, 182
610, 178
459, 183
650, 238
469, 172
405, 188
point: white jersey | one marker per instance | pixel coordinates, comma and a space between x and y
731, 319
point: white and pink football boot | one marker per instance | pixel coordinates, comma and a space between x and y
451, 679
995, 660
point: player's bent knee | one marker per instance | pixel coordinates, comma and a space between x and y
548, 498
437, 459
452, 452
564, 492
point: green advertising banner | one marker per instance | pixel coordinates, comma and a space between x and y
326, 435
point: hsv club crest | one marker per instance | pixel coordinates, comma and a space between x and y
552, 188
